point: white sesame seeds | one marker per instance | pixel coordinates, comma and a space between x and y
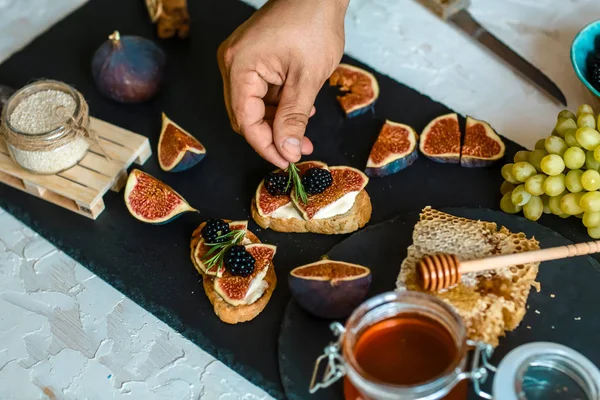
42, 111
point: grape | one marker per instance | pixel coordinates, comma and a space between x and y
541, 144
586, 121
534, 184
507, 187
594, 232
555, 145
590, 161
569, 204
588, 138
566, 114
554, 204
506, 172
520, 196
584, 109
546, 201
573, 181
590, 202
563, 125
580, 215
554, 185
535, 158
590, 180
522, 155
597, 154
507, 205
523, 170
574, 157
570, 138
534, 208
552, 164
591, 219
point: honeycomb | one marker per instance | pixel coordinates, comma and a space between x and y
490, 302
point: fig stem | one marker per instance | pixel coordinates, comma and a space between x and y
115, 36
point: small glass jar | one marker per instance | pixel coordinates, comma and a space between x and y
53, 150
522, 375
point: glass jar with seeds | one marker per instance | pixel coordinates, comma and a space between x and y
45, 125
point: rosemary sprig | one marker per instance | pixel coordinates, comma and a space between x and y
214, 256
294, 179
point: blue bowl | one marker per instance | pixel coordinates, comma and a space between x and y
582, 46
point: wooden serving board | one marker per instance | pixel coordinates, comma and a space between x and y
81, 188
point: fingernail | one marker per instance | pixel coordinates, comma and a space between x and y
292, 146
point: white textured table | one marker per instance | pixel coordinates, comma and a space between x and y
66, 334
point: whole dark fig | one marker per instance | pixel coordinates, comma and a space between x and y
128, 69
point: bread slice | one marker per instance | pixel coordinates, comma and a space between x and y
351, 221
236, 314
226, 312
490, 303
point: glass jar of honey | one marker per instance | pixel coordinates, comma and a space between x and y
412, 346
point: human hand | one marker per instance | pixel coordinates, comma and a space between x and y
273, 67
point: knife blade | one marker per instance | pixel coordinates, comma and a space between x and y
455, 11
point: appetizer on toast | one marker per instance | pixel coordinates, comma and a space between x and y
323, 199
237, 270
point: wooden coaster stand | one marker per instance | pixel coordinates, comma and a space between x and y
82, 187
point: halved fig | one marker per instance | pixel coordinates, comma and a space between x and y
330, 289
151, 200
345, 180
177, 149
267, 203
237, 290
199, 249
394, 150
481, 147
360, 87
440, 140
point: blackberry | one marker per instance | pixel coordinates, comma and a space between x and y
276, 184
316, 180
213, 229
239, 262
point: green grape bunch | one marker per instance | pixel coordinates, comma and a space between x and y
561, 175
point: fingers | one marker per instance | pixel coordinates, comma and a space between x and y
291, 118
260, 137
307, 146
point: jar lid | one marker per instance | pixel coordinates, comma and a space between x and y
544, 370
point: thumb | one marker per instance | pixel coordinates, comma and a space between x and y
294, 110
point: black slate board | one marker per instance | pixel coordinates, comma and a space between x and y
573, 282
150, 264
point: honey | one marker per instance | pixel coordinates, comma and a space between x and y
408, 350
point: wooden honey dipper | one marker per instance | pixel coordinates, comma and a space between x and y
440, 271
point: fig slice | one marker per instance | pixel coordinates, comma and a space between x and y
237, 290
266, 203
440, 140
199, 248
481, 147
345, 180
360, 87
177, 149
151, 200
330, 289
394, 150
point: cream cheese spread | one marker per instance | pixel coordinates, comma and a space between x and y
338, 207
